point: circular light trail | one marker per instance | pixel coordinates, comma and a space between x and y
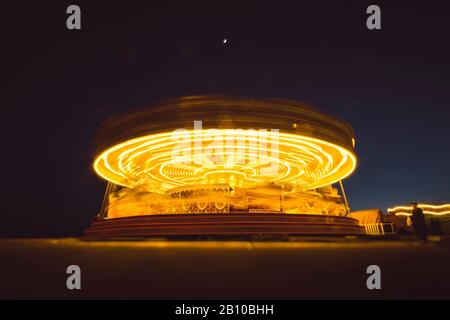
242, 142
172, 159
222, 165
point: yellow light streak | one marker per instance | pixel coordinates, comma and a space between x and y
158, 160
427, 209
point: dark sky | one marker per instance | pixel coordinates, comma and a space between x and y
391, 85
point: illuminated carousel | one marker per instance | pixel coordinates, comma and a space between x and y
217, 165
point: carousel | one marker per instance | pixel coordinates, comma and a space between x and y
219, 165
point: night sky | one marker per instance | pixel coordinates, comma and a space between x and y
392, 85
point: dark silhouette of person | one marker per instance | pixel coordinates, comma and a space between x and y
418, 220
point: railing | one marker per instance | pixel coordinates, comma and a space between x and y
379, 228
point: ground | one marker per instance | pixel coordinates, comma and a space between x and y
303, 268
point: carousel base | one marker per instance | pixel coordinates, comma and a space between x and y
265, 224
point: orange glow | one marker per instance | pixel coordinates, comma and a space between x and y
173, 159
242, 155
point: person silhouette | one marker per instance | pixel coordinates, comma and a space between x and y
418, 220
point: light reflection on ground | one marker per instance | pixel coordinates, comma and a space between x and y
309, 268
